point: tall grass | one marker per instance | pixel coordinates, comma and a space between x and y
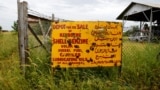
10, 77
140, 69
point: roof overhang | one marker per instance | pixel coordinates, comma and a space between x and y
34, 18
140, 12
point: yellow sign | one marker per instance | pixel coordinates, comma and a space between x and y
86, 44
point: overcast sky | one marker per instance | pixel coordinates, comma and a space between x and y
97, 10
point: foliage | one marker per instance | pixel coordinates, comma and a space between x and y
140, 70
131, 31
15, 26
0, 28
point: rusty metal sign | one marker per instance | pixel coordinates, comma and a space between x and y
86, 44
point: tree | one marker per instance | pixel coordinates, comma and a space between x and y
132, 30
15, 26
0, 28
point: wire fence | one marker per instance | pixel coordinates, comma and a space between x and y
139, 53
131, 50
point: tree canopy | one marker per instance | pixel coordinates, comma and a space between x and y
15, 26
0, 27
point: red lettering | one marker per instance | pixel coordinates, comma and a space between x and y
82, 59
82, 26
101, 50
64, 59
71, 63
59, 41
70, 35
79, 41
59, 26
66, 46
70, 54
73, 41
77, 50
64, 50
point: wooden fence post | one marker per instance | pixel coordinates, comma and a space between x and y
52, 17
22, 34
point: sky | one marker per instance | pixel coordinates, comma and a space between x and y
88, 10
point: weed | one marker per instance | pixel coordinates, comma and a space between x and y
140, 69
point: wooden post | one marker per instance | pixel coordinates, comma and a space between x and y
22, 34
53, 17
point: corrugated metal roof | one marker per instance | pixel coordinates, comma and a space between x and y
150, 4
139, 16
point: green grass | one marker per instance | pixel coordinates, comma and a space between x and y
140, 69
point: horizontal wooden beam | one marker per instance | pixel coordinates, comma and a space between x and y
37, 17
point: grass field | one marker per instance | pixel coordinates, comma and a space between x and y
140, 69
